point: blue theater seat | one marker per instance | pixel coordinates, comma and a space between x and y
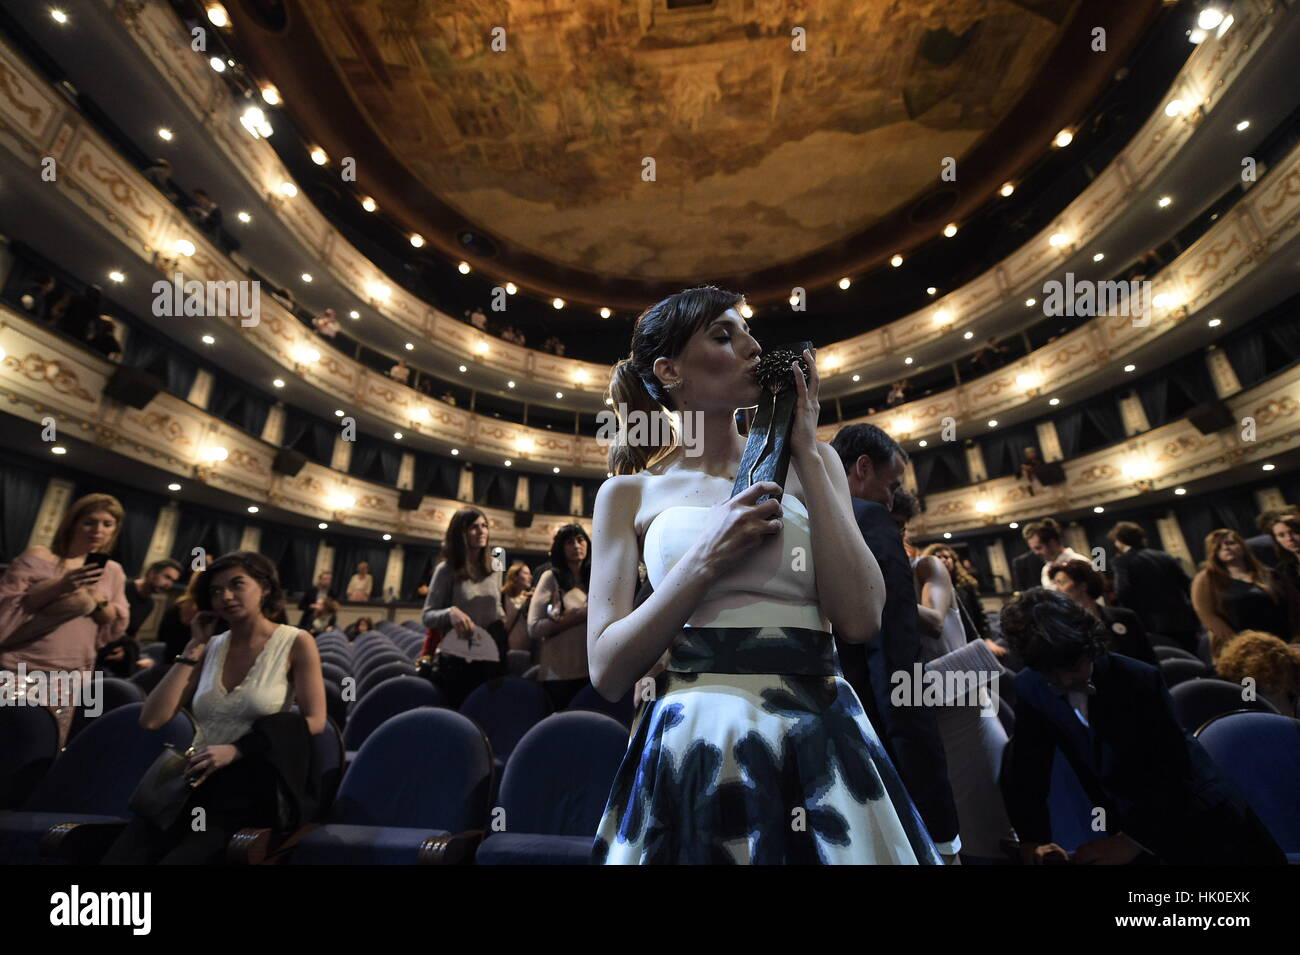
555, 789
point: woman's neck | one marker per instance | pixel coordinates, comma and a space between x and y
243, 631
721, 447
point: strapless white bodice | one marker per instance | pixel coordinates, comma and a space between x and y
774, 586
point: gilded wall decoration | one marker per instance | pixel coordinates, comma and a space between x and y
49, 371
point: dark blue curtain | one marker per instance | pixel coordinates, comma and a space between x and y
1234, 510
941, 468
1068, 428
193, 530
300, 562
1169, 393
23, 492
437, 476
590, 488
1284, 331
364, 452
137, 531
232, 401
494, 487
390, 463
309, 434
159, 357
1004, 449
1103, 413
1246, 355
417, 568
548, 494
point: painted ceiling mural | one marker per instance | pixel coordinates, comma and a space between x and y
761, 154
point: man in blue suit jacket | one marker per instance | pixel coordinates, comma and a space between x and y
874, 464
1113, 719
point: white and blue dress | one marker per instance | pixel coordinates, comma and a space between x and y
753, 748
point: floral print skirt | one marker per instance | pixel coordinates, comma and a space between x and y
776, 767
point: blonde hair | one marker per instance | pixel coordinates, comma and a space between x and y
87, 505
661, 331
1274, 664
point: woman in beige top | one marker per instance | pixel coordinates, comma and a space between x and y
362, 584
515, 596
558, 615
56, 609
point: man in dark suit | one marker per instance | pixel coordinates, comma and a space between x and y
1162, 797
1026, 571
1153, 585
874, 464
313, 597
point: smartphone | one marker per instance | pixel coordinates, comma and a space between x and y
96, 560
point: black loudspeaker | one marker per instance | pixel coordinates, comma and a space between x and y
1050, 473
1211, 416
133, 387
409, 500
523, 518
288, 461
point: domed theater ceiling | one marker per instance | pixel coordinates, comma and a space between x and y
761, 155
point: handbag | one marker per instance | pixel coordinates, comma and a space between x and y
163, 790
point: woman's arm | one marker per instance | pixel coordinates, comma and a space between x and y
624, 644
540, 624
308, 682
115, 590
175, 689
931, 620
1220, 630
850, 586
437, 603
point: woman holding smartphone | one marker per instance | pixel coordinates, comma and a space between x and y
230, 680
60, 604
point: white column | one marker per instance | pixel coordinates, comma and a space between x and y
1077, 540
251, 538
325, 564
342, 455
1222, 374
465, 488
998, 562
1134, 416
393, 575
975, 462
164, 535
1269, 499
523, 493
273, 430
406, 472
1173, 542
576, 501
201, 390
54, 504
1048, 441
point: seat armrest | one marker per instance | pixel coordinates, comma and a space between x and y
455, 849
252, 846
80, 843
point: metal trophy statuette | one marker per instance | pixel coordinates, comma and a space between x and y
767, 451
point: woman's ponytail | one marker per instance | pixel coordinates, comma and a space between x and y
629, 393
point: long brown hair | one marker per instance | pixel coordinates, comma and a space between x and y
661, 331
1217, 570
961, 575
83, 506
456, 553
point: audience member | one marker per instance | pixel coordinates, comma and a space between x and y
358, 627
1044, 539
400, 372
159, 578
314, 600
1234, 592
1124, 632
974, 621
1264, 544
174, 629
1029, 468
37, 296
898, 392
249, 765
1113, 720
1153, 585
325, 618
464, 602
79, 319
159, 173
1271, 663
516, 595
326, 323
478, 319
205, 212
362, 585
874, 465
557, 616
1284, 531
58, 606
103, 337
